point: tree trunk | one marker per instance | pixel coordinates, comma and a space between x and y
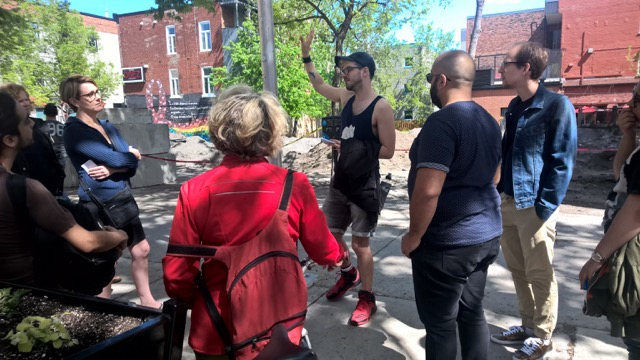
477, 29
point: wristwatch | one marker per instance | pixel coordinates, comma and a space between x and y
595, 256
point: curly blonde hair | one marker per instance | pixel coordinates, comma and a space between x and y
246, 123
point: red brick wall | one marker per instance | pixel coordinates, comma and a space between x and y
500, 31
495, 99
609, 27
102, 25
147, 45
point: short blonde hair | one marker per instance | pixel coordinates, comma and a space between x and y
247, 124
70, 88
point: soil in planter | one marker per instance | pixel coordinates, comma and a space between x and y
88, 327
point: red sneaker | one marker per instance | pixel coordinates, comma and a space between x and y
346, 281
365, 308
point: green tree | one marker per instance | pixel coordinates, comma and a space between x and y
294, 90
58, 45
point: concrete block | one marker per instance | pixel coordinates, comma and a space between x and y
150, 172
155, 172
148, 138
127, 116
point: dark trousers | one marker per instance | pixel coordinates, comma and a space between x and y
449, 288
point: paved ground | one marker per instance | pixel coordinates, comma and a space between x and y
395, 331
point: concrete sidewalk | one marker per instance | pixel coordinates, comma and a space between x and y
396, 332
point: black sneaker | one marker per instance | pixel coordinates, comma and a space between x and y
346, 281
514, 336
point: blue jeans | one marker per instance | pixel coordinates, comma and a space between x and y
449, 288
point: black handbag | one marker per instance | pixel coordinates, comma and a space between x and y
57, 264
119, 210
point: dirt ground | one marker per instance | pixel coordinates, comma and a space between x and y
592, 179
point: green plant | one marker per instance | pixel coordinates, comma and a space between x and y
36, 329
9, 301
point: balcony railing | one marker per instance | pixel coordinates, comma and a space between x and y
488, 62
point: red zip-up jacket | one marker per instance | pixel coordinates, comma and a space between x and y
229, 205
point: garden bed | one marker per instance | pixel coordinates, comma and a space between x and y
97, 328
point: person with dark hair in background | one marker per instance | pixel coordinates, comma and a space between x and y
40, 160
538, 154
55, 129
454, 225
16, 257
368, 129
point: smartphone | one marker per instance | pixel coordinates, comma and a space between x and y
327, 141
88, 165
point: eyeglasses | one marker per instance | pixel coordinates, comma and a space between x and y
348, 69
92, 95
431, 76
505, 63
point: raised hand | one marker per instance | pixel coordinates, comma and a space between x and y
305, 44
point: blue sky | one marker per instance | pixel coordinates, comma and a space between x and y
451, 18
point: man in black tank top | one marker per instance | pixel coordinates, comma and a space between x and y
367, 123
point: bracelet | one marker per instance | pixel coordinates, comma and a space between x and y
595, 256
306, 60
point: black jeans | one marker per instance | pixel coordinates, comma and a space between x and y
449, 288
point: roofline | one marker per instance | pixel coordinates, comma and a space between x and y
507, 13
117, 16
96, 16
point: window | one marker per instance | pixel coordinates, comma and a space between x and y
93, 41
207, 87
408, 62
205, 35
174, 82
171, 39
36, 30
408, 114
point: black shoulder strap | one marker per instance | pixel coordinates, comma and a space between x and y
286, 191
214, 314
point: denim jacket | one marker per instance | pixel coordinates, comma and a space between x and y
544, 152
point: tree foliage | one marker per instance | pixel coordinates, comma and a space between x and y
294, 90
55, 44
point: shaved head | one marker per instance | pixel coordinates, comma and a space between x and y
457, 65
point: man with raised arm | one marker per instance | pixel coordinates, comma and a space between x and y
368, 134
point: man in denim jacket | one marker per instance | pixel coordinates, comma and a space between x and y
538, 152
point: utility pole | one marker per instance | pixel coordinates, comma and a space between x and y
267, 47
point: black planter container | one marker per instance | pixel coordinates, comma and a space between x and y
159, 337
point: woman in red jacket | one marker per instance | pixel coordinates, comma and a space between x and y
236, 200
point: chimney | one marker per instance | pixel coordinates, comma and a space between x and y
106, 12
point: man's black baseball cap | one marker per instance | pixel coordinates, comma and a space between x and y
361, 58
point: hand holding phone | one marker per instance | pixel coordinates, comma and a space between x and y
88, 165
327, 141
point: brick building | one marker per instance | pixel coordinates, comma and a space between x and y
599, 38
108, 45
499, 33
180, 55
591, 45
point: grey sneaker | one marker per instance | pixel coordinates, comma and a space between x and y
514, 336
534, 348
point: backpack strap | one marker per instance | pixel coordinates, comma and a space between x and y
215, 316
199, 251
286, 192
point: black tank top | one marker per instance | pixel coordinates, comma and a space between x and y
362, 123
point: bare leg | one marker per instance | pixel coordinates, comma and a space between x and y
106, 292
361, 247
346, 262
140, 273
